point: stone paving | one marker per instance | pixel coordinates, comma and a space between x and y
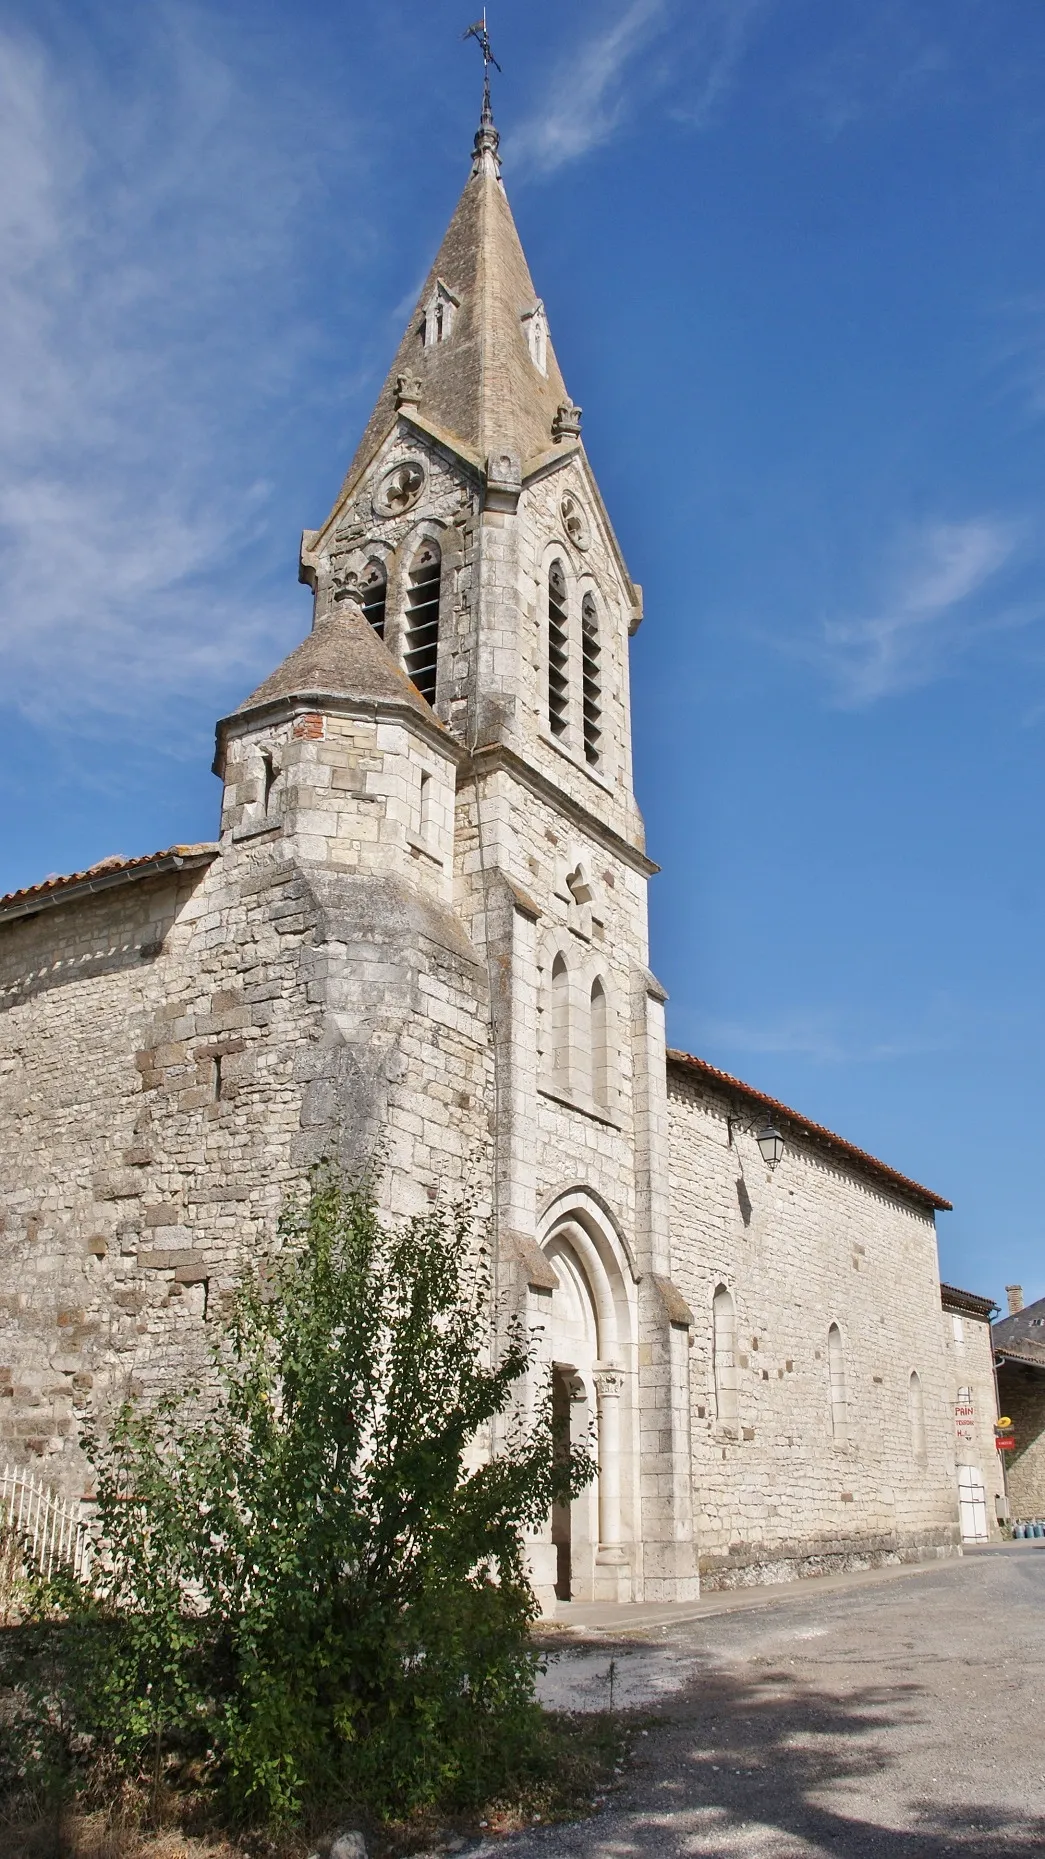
880, 1718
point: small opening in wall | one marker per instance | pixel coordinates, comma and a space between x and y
270, 776
216, 1078
424, 812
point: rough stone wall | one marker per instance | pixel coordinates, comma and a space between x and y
1022, 1396
173, 1057
799, 1249
969, 1358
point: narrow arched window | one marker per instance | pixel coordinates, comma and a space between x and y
591, 679
373, 596
916, 1412
836, 1374
558, 652
421, 647
560, 1020
601, 1056
724, 1327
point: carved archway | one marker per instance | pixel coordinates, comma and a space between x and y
589, 1345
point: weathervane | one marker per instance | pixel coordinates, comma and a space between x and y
478, 31
486, 141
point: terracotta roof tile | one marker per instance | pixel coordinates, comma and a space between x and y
969, 1301
814, 1133
103, 874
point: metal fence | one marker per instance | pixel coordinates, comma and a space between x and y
36, 1524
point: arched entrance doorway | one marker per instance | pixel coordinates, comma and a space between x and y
588, 1344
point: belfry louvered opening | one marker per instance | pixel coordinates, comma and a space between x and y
374, 596
558, 652
421, 651
591, 679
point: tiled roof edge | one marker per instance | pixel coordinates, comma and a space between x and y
1010, 1352
102, 877
953, 1299
812, 1132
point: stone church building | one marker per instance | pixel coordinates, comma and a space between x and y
424, 921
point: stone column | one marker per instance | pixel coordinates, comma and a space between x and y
609, 1385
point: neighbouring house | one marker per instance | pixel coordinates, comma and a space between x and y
1019, 1354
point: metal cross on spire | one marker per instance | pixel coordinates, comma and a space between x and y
486, 141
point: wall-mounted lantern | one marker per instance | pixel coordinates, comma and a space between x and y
771, 1143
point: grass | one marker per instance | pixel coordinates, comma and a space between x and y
582, 1753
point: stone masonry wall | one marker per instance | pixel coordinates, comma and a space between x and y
173, 1057
799, 1249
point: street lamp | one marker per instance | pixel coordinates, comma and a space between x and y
771, 1143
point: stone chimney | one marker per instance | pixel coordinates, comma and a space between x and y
1014, 1293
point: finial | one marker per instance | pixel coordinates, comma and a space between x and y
485, 159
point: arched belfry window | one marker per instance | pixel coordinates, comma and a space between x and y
839, 1396
421, 645
591, 679
916, 1413
558, 652
724, 1323
373, 596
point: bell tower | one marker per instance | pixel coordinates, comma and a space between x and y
471, 534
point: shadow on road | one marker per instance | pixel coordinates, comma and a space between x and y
739, 1758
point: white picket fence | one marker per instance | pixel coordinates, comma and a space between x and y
49, 1528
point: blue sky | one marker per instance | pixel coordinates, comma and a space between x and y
793, 260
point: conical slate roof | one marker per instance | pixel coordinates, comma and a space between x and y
481, 385
341, 657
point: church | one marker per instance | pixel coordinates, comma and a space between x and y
424, 922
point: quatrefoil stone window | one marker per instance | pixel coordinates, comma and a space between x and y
400, 489
575, 522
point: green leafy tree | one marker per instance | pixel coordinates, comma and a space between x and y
314, 1571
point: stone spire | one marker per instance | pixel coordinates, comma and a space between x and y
485, 158
476, 360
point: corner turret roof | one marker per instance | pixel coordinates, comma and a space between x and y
481, 385
341, 657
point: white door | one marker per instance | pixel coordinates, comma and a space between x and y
972, 1504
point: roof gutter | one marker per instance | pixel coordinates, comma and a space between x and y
88, 886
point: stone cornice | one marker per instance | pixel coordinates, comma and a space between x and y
336, 703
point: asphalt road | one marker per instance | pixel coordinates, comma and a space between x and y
900, 1719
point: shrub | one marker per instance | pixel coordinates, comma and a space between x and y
311, 1574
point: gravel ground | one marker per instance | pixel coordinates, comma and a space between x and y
900, 1719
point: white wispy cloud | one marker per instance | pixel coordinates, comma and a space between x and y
932, 610
688, 53
143, 226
